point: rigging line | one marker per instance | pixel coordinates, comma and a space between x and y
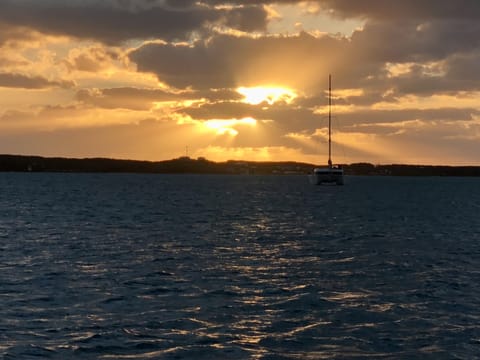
337, 119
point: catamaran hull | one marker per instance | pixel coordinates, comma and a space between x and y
320, 177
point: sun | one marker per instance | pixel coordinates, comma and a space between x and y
258, 94
222, 127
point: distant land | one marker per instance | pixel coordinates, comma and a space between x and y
186, 165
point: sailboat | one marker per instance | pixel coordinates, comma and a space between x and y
330, 174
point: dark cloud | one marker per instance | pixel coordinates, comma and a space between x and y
107, 24
425, 86
410, 41
406, 9
116, 21
395, 32
180, 3
463, 67
217, 95
303, 62
250, 18
377, 9
34, 82
228, 61
182, 66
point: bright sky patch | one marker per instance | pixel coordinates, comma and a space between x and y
258, 94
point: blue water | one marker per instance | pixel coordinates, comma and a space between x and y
123, 266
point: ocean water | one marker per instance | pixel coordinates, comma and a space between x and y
129, 266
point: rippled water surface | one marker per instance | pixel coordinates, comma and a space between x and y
117, 266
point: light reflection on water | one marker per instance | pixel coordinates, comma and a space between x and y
205, 267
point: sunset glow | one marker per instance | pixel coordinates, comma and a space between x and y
228, 126
229, 77
270, 95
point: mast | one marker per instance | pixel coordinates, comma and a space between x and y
329, 120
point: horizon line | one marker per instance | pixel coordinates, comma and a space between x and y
201, 158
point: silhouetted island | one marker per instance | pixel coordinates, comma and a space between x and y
184, 165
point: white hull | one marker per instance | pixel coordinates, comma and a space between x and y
327, 176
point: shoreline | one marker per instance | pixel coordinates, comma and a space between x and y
186, 165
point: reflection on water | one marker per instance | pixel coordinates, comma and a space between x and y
216, 267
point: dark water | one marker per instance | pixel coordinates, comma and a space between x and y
237, 267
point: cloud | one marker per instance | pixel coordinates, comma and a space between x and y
144, 99
409, 74
421, 32
33, 82
303, 61
374, 120
226, 61
56, 118
285, 118
408, 40
405, 9
6, 62
12, 32
113, 22
92, 59
126, 98
463, 67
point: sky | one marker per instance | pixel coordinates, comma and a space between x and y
242, 80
